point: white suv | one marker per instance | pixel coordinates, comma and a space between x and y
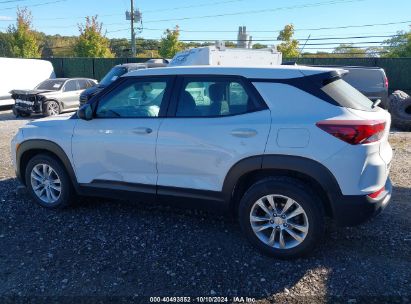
281, 147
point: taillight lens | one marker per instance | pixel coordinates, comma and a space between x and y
376, 193
354, 132
386, 82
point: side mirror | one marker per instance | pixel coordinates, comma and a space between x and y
85, 112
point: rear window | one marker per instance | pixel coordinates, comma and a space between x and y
347, 96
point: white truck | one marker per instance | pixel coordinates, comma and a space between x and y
22, 74
219, 55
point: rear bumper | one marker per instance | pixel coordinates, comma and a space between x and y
351, 210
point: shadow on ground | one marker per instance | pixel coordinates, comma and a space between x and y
110, 248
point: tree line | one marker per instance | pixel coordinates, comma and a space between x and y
21, 40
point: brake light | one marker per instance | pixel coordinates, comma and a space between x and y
386, 82
377, 193
354, 132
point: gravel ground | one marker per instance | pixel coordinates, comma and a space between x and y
123, 250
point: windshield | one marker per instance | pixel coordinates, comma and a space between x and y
347, 96
112, 75
50, 85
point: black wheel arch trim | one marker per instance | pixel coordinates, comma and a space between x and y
48, 146
298, 164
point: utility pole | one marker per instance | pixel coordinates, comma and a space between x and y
133, 35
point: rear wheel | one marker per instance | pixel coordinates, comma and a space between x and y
51, 108
48, 182
282, 217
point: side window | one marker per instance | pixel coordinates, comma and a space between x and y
70, 85
210, 98
133, 98
83, 84
90, 84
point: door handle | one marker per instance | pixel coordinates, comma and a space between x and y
142, 130
244, 133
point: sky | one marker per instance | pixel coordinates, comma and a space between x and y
220, 19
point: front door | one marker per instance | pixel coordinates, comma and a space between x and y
71, 94
118, 144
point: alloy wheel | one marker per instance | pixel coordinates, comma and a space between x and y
46, 183
53, 108
279, 221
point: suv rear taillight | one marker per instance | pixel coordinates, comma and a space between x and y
354, 132
386, 82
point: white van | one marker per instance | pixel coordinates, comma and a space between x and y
22, 74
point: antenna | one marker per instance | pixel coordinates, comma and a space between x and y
299, 55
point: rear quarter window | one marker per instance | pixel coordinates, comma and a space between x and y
347, 96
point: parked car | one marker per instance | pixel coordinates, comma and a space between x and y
371, 81
51, 97
116, 72
282, 148
23, 74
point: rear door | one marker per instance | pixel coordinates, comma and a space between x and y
213, 123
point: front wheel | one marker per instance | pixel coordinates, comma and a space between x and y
51, 108
282, 217
48, 182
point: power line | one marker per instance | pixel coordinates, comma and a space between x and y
316, 4
149, 11
33, 5
191, 6
273, 31
338, 38
11, 1
346, 47
272, 40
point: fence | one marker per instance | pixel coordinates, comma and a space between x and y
398, 70
94, 68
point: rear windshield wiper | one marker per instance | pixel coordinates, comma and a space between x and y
376, 103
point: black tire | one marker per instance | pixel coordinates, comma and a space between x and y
51, 108
67, 191
400, 109
300, 193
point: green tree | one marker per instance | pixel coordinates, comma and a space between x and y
91, 42
289, 46
399, 45
23, 38
56, 45
6, 49
375, 51
258, 46
120, 47
349, 51
169, 44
